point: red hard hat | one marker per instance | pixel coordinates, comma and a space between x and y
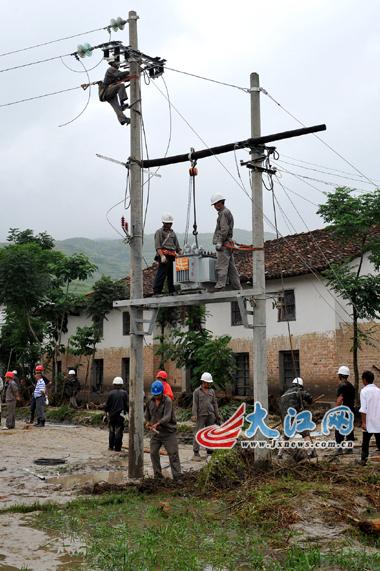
162, 375
39, 368
9, 375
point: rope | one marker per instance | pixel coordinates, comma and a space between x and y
87, 102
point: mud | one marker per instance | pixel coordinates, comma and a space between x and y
23, 546
88, 462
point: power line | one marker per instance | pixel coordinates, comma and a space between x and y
323, 172
40, 96
245, 89
33, 63
316, 164
53, 41
317, 137
326, 182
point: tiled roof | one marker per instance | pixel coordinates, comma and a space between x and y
294, 255
300, 254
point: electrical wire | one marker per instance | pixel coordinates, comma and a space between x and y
53, 41
321, 181
81, 70
87, 102
245, 89
40, 96
316, 243
315, 164
317, 137
324, 172
33, 63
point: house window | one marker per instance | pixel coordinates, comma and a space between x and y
126, 323
241, 377
236, 318
97, 374
287, 305
289, 367
125, 370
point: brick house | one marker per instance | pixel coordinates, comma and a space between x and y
303, 314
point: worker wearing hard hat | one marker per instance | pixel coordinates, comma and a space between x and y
72, 388
167, 246
161, 421
11, 397
116, 408
163, 377
205, 410
112, 90
296, 396
345, 395
225, 263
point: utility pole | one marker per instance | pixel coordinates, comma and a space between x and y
260, 380
136, 370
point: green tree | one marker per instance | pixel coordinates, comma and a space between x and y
192, 346
35, 291
356, 219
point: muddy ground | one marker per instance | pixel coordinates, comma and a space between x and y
87, 461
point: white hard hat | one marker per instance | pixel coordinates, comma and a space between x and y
206, 378
72, 372
217, 198
343, 370
167, 218
298, 381
118, 381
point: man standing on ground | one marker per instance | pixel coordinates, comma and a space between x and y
225, 262
161, 421
11, 397
167, 245
73, 387
40, 396
116, 407
345, 396
114, 91
205, 410
370, 411
296, 397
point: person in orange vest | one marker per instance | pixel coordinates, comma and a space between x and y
162, 376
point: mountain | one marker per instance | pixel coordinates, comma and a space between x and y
112, 256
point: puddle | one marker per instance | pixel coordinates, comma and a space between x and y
36, 551
73, 480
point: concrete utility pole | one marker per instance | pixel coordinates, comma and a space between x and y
260, 381
136, 370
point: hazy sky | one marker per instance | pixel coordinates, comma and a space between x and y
318, 58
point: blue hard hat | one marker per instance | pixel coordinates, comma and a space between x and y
157, 388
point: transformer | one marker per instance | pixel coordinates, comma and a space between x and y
194, 269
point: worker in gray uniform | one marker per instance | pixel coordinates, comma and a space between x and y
11, 397
205, 411
167, 246
161, 421
296, 397
225, 262
113, 91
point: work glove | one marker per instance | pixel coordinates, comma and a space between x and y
219, 247
122, 415
163, 259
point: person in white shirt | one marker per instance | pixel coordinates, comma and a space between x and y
40, 396
370, 411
